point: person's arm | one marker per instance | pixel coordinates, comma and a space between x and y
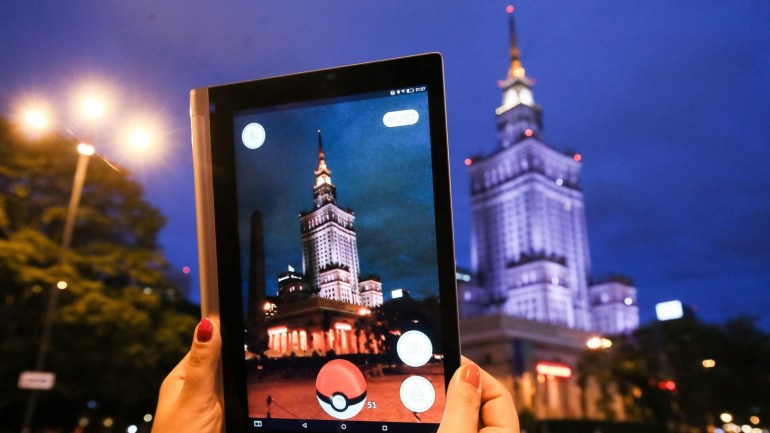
188, 400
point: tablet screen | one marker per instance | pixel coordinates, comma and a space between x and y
339, 267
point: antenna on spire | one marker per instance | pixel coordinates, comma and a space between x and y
515, 70
320, 142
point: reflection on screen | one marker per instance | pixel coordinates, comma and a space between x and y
338, 256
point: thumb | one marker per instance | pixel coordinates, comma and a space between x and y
463, 401
203, 359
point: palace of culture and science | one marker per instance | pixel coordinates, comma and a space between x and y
529, 245
528, 305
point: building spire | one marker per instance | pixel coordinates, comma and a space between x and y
516, 70
324, 190
322, 168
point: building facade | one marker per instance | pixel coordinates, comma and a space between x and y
529, 243
527, 305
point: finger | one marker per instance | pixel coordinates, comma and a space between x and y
498, 412
463, 401
200, 365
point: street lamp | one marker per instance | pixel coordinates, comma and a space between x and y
92, 108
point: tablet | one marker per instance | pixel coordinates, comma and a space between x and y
325, 244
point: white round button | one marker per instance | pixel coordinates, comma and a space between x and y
414, 348
253, 135
417, 394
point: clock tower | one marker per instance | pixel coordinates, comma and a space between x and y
518, 112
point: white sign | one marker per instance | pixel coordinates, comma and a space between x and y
669, 310
43, 380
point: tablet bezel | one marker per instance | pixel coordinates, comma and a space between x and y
212, 111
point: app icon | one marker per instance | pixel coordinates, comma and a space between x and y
417, 394
253, 135
414, 348
394, 119
341, 389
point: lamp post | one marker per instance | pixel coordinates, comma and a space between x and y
91, 108
84, 155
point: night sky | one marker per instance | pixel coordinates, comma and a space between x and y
669, 103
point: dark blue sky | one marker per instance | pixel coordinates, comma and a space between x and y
669, 102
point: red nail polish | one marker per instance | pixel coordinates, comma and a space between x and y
205, 329
472, 375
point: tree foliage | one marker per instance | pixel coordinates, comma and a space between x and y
661, 374
120, 326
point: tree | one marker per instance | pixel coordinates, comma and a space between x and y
661, 374
120, 326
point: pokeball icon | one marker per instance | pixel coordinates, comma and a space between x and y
341, 389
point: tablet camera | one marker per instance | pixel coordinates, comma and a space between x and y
341, 389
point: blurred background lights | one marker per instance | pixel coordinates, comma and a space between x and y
139, 138
509, 9
93, 107
36, 119
468, 161
577, 157
597, 342
185, 269
61, 285
726, 417
709, 363
108, 422
147, 417
669, 310
628, 301
86, 149
132, 429
754, 419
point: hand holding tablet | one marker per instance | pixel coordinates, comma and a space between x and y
200, 410
325, 243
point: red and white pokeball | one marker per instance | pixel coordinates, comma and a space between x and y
341, 389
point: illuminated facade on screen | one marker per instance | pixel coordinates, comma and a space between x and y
329, 249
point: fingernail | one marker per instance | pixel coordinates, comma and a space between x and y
205, 329
472, 375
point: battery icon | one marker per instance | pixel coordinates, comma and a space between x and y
410, 90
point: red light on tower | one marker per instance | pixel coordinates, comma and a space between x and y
509, 9
185, 269
577, 157
468, 162
528, 133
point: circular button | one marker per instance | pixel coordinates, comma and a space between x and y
253, 135
417, 394
414, 348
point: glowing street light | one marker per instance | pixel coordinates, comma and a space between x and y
708, 363
86, 149
93, 108
726, 417
36, 119
139, 139
597, 342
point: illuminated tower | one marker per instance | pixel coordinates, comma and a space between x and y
529, 243
329, 250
